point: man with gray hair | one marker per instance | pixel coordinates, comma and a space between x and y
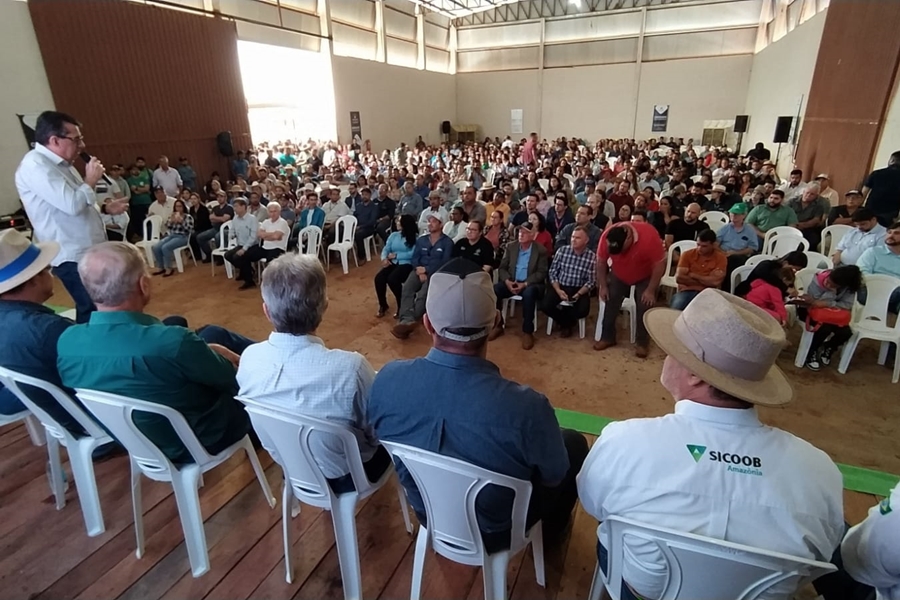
123, 350
333, 384
456, 402
811, 210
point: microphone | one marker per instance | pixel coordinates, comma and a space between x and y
87, 158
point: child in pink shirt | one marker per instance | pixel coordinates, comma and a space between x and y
769, 298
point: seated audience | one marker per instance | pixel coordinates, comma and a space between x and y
312, 215
333, 384
794, 186
430, 254
200, 213
498, 235
621, 197
541, 236
472, 206
455, 228
474, 247
866, 233
883, 259
826, 191
425, 403
411, 203
770, 270
522, 272
222, 212
771, 298
772, 214
699, 268
624, 214
366, 213
178, 231
162, 206
712, 468
387, 208
737, 240
843, 214
686, 228
629, 255
122, 350
245, 229
573, 276
719, 199
434, 209
810, 210
334, 209
583, 217
834, 290
396, 262
560, 216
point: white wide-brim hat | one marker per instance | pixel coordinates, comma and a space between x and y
20, 260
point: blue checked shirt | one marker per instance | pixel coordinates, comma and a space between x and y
571, 269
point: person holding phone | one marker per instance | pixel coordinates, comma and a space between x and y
60, 203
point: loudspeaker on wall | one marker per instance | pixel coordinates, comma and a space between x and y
445, 127
223, 142
740, 123
783, 130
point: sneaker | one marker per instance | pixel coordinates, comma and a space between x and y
813, 364
825, 356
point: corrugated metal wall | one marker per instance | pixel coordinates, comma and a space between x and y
850, 90
144, 80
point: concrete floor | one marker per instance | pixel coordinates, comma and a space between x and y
853, 417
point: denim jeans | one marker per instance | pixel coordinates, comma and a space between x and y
531, 295
164, 250
203, 240
680, 300
67, 273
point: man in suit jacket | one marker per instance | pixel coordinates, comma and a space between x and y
523, 271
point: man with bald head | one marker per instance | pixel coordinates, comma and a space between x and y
688, 228
122, 350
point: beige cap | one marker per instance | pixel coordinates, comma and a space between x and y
461, 296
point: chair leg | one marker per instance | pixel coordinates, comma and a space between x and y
179, 261
229, 270
212, 264
597, 586
345, 262
896, 377
550, 326
260, 474
632, 314
403, 505
582, 324
86, 485
35, 431
57, 483
286, 497
187, 498
137, 507
494, 569
537, 549
598, 332
883, 352
343, 515
423, 540
847, 354
803, 348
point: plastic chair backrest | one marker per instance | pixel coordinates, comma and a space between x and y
680, 247
313, 237
878, 297
449, 487
714, 215
13, 382
831, 237
462, 185
777, 231
115, 412
803, 277
286, 436
818, 260
702, 568
345, 227
151, 233
740, 274
758, 258
226, 240
783, 244
544, 183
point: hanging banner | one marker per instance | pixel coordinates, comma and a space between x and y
660, 118
355, 127
516, 120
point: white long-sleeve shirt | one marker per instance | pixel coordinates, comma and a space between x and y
715, 472
871, 550
59, 204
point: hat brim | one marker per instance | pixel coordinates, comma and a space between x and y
49, 250
773, 390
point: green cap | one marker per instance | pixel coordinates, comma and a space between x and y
739, 209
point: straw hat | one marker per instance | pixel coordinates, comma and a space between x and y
20, 260
727, 342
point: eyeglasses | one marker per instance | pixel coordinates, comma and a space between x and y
78, 139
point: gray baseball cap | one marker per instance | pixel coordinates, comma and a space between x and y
461, 297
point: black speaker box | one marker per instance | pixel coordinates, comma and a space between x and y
740, 123
223, 141
783, 130
445, 127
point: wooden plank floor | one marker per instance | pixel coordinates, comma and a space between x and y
46, 554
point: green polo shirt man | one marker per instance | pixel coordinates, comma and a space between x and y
123, 351
771, 214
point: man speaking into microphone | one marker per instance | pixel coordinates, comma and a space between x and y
59, 203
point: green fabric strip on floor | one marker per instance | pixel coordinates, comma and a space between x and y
57, 309
856, 479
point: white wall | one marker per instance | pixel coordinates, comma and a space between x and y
25, 91
780, 78
601, 101
395, 104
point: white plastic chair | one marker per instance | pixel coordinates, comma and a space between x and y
32, 425
345, 232
783, 244
669, 280
715, 219
309, 240
831, 237
116, 413
818, 261
570, 178
758, 258
702, 568
449, 488
872, 323
179, 262
787, 232
151, 229
461, 185
582, 323
544, 183
739, 275
286, 435
801, 283
226, 243
629, 305
508, 309
79, 449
